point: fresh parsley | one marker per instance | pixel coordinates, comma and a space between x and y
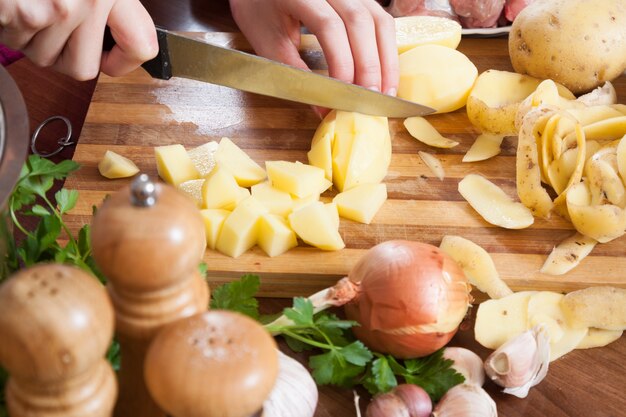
238, 296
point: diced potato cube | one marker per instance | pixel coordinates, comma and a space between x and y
298, 203
230, 157
203, 157
333, 212
220, 190
213, 221
174, 165
601, 307
240, 230
193, 189
315, 225
361, 203
277, 201
320, 154
275, 235
300, 180
114, 165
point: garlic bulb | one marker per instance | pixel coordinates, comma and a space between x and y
466, 400
467, 363
520, 363
295, 392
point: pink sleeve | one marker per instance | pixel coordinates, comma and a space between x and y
8, 55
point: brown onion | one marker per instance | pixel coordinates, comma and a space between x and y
410, 300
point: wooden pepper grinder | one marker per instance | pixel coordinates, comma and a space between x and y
56, 324
214, 364
148, 240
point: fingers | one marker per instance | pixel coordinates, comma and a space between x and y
387, 47
23, 21
135, 37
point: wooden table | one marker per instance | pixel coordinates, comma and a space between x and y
584, 383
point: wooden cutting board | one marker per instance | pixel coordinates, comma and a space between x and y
132, 114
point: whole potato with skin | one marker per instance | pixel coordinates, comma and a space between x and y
578, 43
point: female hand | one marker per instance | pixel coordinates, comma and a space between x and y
357, 36
66, 35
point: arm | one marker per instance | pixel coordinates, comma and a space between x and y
66, 35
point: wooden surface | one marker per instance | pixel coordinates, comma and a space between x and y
132, 114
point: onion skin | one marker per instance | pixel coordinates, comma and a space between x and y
412, 298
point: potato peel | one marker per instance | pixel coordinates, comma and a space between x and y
568, 254
433, 163
486, 145
426, 133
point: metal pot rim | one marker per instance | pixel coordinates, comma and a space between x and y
13, 135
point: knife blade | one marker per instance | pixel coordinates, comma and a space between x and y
182, 56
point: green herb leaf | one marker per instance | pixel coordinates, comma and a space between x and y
39, 210
66, 199
332, 368
238, 296
301, 313
203, 268
380, 377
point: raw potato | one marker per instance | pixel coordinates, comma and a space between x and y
412, 31
114, 165
433, 163
498, 321
300, 180
600, 307
361, 203
275, 235
477, 265
545, 307
493, 204
277, 201
320, 154
193, 188
577, 43
598, 338
203, 157
174, 165
240, 229
443, 83
621, 159
213, 221
230, 157
315, 225
423, 131
220, 190
484, 147
568, 254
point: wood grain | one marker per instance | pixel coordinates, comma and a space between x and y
132, 114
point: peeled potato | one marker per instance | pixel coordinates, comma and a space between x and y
493, 204
412, 31
601, 307
477, 265
598, 338
568, 254
114, 165
621, 159
484, 147
423, 131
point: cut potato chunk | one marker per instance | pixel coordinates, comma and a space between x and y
484, 147
320, 154
240, 230
203, 157
544, 307
275, 235
599, 338
193, 189
315, 225
277, 201
114, 165
361, 203
568, 254
412, 31
174, 165
498, 321
298, 203
221, 191
493, 204
213, 221
423, 131
477, 265
333, 212
443, 84
230, 157
600, 307
433, 163
296, 178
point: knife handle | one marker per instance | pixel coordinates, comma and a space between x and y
158, 67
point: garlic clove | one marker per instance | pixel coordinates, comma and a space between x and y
467, 363
520, 363
466, 400
387, 405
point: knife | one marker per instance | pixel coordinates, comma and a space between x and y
182, 56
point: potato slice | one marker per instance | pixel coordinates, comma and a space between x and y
240, 229
275, 235
561, 170
193, 188
544, 149
203, 157
605, 185
361, 203
232, 158
477, 265
528, 173
423, 131
213, 221
621, 159
601, 222
600, 307
493, 204
433, 163
545, 307
315, 225
412, 31
486, 145
599, 338
568, 254
174, 165
579, 166
320, 154
114, 165
498, 321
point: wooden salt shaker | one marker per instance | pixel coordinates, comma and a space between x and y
214, 364
56, 324
148, 240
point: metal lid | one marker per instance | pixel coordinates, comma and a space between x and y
13, 135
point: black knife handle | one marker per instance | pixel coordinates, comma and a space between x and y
158, 67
